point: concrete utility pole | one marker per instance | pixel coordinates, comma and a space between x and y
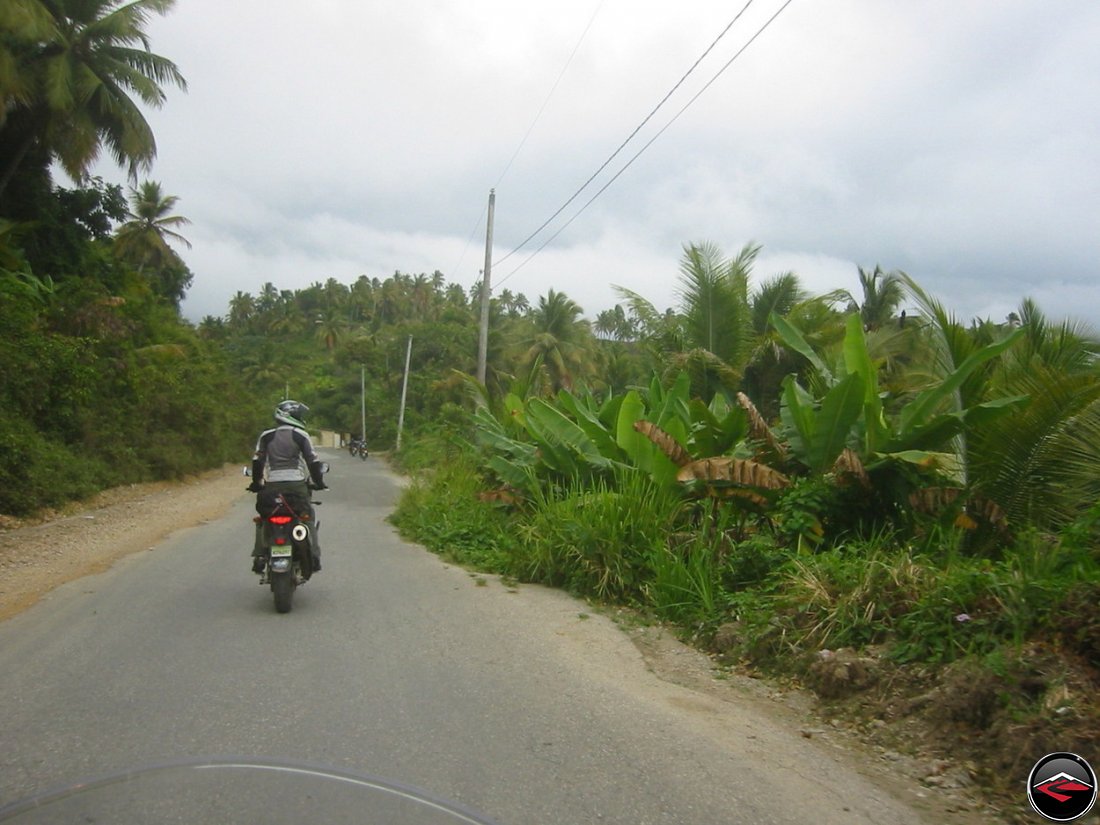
483, 331
363, 402
404, 393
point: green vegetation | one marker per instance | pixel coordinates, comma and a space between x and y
923, 493
780, 474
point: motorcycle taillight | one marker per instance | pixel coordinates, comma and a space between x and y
280, 519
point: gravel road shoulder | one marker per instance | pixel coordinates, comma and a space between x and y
89, 537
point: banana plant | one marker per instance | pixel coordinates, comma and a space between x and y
851, 412
574, 437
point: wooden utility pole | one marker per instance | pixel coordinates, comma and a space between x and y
483, 330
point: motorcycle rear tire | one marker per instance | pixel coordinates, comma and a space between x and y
282, 586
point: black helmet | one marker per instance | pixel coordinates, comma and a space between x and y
292, 413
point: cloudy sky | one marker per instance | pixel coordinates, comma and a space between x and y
957, 140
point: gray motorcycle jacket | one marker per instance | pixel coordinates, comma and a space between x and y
285, 453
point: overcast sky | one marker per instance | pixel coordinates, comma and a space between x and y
957, 140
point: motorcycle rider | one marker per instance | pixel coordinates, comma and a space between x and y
284, 463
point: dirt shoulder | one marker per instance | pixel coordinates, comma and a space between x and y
85, 538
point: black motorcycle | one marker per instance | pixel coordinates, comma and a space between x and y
288, 534
288, 542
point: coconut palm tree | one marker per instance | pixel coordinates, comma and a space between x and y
714, 318
268, 298
242, 310
143, 240
1038, 462
883, 293
69, 68
331, 329
560, 339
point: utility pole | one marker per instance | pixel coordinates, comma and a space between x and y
483, 330
404, 392
363, 402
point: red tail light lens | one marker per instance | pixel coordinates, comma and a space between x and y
280, 519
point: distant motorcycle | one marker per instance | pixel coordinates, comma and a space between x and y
358, 447
288, 534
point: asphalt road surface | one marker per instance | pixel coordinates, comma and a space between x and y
514, 702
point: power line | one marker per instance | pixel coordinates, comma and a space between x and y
527, 134
648, 143
631, 136
553, 89
470, 239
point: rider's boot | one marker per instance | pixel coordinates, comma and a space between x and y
259, 560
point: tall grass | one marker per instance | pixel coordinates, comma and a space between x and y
443, 510
930, 609
595, 540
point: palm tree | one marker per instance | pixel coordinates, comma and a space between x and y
716, 317
268, 298
770, 360
616, 325
882, 294
560, 339
421, 294
331, 328
143, 240
1038, 462
242, 310
70, 66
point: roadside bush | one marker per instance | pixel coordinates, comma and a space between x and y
973, 606
37, 473
443, 511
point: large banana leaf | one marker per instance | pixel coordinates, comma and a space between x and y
857, 361
634, 444
936, 433
639, 450
793, 339
571, 446
918, 411
514, 462
588, 419
513, 413
797, 414
513, 473
716, 429
491, 433
555, 438
840, 409
817, 437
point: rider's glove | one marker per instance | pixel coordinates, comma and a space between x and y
254, 487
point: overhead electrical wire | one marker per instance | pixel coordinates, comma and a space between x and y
631, 136
553, 89
648, 143
534, 122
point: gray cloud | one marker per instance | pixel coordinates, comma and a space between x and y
953, 140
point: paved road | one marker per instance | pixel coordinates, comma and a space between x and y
393, 664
